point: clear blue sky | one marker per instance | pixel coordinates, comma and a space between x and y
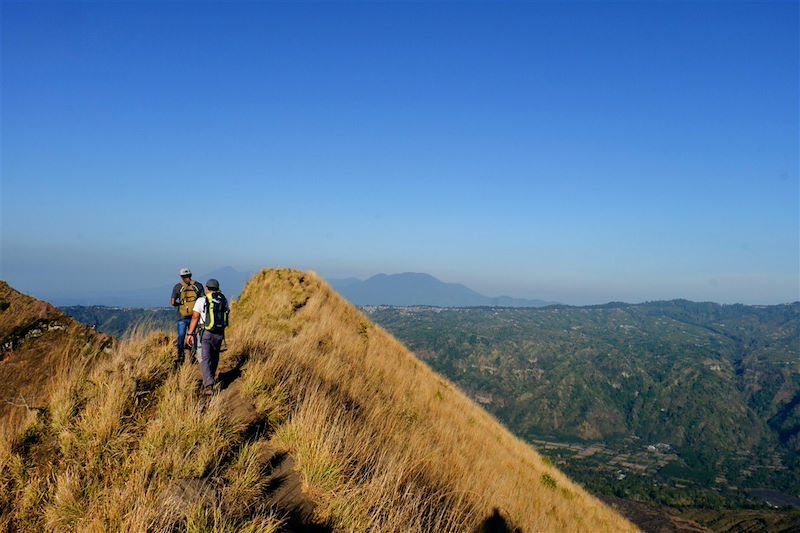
579, 152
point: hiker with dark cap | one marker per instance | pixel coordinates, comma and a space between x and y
184, 295
211, 313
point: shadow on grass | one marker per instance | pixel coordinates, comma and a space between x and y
497, 523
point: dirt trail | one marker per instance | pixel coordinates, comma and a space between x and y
284, 485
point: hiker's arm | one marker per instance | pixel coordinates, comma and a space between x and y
174, 297
192, 327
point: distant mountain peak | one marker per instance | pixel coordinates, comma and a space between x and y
419, 288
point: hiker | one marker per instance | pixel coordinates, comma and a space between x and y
184, 296
211, 312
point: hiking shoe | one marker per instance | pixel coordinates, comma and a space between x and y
208, 390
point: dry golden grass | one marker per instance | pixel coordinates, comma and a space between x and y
381, 441
36, 342
377, 441
118, 448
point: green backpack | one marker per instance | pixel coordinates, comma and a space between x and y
188, 297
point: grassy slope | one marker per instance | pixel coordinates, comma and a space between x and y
363, 435
36, 341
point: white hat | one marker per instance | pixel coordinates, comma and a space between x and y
185, 272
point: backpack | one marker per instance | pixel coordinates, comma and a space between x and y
217, 312
188, 296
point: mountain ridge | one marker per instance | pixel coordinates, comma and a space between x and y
416, 288
325, 421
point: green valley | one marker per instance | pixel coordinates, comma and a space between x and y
677, 403
117, 321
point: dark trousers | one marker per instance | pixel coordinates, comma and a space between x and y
209, 356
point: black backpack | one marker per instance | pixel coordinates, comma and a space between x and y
216, 312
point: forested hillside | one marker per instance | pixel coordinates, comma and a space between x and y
117, 321
677, 402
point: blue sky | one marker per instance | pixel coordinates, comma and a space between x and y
579, 152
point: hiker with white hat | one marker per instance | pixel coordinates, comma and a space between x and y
184, 296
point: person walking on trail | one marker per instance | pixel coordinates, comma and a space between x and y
211, 313
184, 296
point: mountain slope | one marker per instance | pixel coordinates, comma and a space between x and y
326, 423
36, 341
411, 288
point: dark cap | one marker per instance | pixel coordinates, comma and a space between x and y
212, 284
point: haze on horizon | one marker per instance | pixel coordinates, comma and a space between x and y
575, 152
